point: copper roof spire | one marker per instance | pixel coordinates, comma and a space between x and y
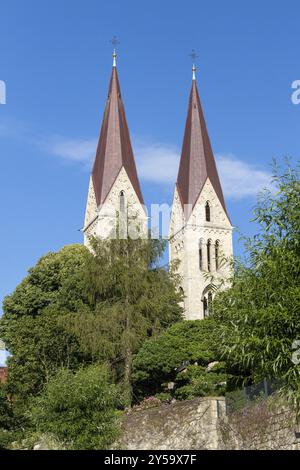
114, 149
197, 160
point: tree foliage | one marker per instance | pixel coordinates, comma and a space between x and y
12, 420
259, 316
79, 409
181, 355
132, 298
30, 327
77, 307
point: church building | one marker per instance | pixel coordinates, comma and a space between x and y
200, 235
115, 201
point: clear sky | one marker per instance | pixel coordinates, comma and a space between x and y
55, 58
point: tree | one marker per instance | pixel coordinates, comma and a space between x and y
30, 327
259, 316
77, 307
12, 421
79, 409
132, 298
181, 355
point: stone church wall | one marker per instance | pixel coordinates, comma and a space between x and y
183, 425
202, 424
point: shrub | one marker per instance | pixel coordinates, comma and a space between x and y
79, 409
180, 355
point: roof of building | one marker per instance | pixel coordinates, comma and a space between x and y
197, 160
114, 150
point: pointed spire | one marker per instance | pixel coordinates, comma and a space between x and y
197, 162
114, 149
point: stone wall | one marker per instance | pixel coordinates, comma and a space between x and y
267, 425
189, 424
202, 424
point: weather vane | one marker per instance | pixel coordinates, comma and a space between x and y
114, 41
194, 57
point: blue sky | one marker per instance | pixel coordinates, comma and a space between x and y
55, 59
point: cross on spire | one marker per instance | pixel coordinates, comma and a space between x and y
114, 41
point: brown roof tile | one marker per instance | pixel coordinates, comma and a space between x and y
197, 160
114, 149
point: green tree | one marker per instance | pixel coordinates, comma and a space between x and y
30, 327
12, 421
75, 307
79, 409
132, 298
181, 355
259, 316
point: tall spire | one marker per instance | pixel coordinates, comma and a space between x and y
114, 150
197, 162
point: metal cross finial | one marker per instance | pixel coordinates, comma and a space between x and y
193, 55
114, 41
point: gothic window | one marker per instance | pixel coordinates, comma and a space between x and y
122, 202
181, 291
200, 256
205, 307
209, 302
217, 254
208, 246
207, 212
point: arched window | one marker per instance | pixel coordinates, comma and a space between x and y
200, 256
122, 202
209, 301
217, 254
182, 301
207, 212
205, 307
208, 246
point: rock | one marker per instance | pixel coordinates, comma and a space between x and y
211, 365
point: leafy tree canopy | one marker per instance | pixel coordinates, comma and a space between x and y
79, 409
132, 298
189, 345
259, 316
30, 327
77, 307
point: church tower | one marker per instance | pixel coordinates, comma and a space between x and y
200, 235
115, 202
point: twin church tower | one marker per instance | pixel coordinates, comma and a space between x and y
200, 235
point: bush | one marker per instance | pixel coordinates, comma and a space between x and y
11, 420
259, 314
180, 355
30, 324
196, 381
79, 409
